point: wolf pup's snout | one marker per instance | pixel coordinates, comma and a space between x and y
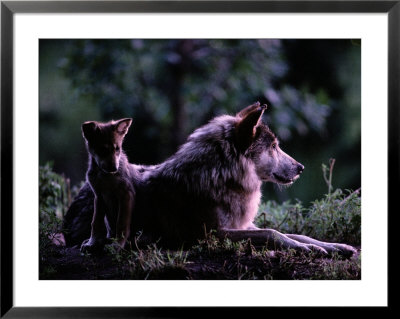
111, 168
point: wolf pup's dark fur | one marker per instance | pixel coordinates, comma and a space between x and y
110, 177
214, 182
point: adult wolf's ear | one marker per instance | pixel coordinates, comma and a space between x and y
250, 117
88, 129
122, 126
249, 109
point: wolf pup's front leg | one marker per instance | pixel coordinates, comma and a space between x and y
123, 227
98, 229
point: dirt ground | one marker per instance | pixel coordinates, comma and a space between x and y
64, 263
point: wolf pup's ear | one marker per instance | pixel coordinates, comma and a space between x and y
122, 126
88, 129
246, 127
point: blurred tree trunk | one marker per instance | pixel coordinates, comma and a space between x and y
180, 63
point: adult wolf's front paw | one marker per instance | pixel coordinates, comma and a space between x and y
320, 251
345, 250
311, 248
301, 248
91, 246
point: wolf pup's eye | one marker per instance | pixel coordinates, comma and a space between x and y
274, 145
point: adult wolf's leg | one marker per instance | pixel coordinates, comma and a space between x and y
76, 223
270, 238
342, 249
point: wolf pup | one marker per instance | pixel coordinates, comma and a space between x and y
110, 177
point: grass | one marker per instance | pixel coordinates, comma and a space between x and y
335, 217
149, 263
338, 269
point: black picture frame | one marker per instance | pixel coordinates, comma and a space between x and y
9, 8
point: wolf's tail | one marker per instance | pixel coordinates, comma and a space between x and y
77, 220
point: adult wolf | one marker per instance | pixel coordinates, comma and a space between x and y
214, 182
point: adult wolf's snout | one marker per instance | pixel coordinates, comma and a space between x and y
300, 168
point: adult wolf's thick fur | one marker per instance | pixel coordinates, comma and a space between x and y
212, 182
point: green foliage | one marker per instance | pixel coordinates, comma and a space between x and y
336, 217
54, 192
54, 199
48, 231
205, 76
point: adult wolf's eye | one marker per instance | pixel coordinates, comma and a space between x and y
274, 145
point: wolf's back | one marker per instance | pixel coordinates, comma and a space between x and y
77, 220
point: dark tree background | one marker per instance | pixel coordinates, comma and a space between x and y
170, 87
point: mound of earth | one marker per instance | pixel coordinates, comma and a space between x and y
67, 263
